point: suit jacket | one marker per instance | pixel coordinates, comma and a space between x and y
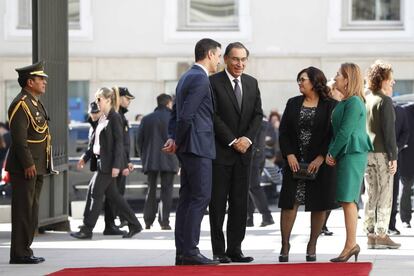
402, 127
320, 193
125, 128
349, 128
153, 132
28, 146
407, 155
229, 121
112, 154
191, 122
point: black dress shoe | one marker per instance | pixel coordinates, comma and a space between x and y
240, 258
113, 230
325, 231
311, 257
83, 234
222, 259
147, 226
133, 230
267, 222
165, 227
27, 260
198, 259
178, 259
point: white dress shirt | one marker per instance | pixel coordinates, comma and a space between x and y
102, 123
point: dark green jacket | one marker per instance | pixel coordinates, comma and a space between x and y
381, 124
349, 128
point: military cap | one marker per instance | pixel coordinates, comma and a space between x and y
36, 69
123, 91
93, 107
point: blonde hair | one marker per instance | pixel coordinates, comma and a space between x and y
355, 86
112, 94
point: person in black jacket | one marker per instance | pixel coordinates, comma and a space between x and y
304, 136
406, 170
153, 132
402, 132
257, 196
110, 163
111, 212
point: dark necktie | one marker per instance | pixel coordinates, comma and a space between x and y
237, 92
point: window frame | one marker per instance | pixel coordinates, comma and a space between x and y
14, 32
349, 24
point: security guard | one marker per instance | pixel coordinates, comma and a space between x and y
28, 160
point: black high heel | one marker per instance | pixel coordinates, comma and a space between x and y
310, 257
284, 258
353, 252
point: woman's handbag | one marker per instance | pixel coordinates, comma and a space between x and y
303, 173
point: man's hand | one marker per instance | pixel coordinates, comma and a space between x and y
81, 164
330, 160
125, 172
30, 172
130, 167
169, 146
115, 172
392, 165
242, 144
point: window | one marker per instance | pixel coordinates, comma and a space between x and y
188, 20
25, 14
402, 87
373, 14
78, 100
208, 15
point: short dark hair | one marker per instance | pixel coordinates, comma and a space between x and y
318, 80
237, 45
23, 80
203, 47
163, 99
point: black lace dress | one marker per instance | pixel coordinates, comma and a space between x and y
306, 121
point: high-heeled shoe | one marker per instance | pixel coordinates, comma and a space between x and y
284, 258
310, 257
353, 252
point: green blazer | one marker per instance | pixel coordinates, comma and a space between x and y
349, 128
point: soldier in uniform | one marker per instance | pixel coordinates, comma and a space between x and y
28, 160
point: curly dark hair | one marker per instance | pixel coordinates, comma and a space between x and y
377, 73
318, 80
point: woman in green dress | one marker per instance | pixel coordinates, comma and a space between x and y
348, 150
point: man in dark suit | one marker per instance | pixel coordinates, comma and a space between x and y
402, 132
153, 132
28, 160
191, 135
406, 170
237, 120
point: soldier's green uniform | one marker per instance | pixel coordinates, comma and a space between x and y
30, 146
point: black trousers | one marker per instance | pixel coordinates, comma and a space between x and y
25, 213
230, 185
394, 207
405, 203
257, 196
111, 211
164, 207
102, 185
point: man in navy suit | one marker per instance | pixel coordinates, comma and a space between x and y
191, 136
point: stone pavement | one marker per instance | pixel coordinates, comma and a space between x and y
156, 247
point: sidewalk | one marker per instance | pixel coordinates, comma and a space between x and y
156, 247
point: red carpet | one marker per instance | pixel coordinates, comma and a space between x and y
317, 269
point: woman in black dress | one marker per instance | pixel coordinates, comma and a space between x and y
304, 136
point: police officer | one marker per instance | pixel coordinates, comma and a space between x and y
28, 160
